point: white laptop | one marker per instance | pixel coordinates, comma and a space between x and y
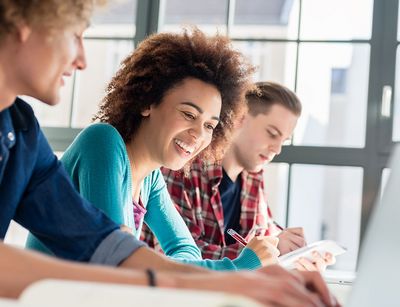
378, 275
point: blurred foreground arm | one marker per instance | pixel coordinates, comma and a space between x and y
272, 286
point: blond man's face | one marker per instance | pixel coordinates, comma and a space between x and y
46, 58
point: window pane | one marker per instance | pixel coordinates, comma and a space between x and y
266, 19
336, 19
333, 86
207, 15
326, 201
104, 58
384, 179
58, 115
275, 61
398, 24
116, 19
396, 114
276, 185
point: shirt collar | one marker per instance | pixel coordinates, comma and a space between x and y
254, 176
19, 119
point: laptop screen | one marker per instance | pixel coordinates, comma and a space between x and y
377, 282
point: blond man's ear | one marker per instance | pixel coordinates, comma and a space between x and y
23, 32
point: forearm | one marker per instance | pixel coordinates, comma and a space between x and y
20, 268
145, 258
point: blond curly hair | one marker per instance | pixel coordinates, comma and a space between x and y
49, 14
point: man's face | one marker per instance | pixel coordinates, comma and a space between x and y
45, 58
261, 137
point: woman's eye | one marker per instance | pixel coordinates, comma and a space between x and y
210, 127
189, 115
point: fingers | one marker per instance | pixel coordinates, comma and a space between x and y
277, 270
296, 230
289, 293
314, 282
293, 235
301, 296
289, 241
293, 288
306, 264
297, 240
288, 289
272, 240
317, 263
265, 249
296, 235
329, 259
262, 243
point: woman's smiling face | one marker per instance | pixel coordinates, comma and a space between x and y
182, 125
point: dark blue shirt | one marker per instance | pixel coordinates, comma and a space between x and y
36, 192
230, 198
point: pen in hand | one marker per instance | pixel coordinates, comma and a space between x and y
278, 226
236, 236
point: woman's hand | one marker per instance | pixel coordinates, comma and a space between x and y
265, 249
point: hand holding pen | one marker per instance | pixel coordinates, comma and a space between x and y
291, 239
264, 247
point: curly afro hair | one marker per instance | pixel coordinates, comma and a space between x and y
164, 60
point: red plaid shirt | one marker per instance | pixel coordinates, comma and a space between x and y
198, 200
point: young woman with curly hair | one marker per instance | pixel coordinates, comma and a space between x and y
176, 96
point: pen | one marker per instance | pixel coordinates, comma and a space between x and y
237, 236
278, 226
273, 221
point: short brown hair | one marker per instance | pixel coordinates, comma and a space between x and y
45, 13
163, 61
265, 94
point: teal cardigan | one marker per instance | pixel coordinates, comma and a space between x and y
98, 164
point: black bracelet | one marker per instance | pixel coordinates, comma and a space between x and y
151, 276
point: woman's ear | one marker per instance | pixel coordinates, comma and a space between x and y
146, 112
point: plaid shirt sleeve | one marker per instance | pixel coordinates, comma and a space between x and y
185, 194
